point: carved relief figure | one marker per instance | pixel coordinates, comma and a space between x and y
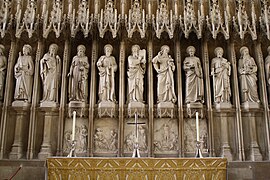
221, 71
130, 139
247, 69
50, 72
194, 77
164, 65
3, 67
267, 67
136, 70
112, 142
107, 67
83, 138
105, 142
78, 76
24, 70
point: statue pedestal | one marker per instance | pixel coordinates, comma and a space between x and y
251, 105
192, 108
19, 145
79, 106
20, 103
106, 109
165, 109
49, 104
223, 105
136, 107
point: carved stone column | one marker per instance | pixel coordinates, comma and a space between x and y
8, 97
150, 95
48, 146
122, 94
92, 96
19, 145
236, 99
179, 86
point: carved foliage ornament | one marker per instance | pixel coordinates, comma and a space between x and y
242, 23
164, 21
215, 22
136, 20
265, 18
30, 20
5, 21
83, 21
56, 21
107, 20
189, 22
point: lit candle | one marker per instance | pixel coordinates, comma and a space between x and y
73, 125
197, 126
149, 8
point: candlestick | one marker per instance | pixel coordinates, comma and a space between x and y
197, 126
73, 125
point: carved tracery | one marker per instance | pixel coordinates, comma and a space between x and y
5, 17
265, 18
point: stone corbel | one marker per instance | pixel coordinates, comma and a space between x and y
215, 22
30, 20
189, 22
136, 20
5, 17
242, 23
165, 21
108, 20
84, 20
56, 21
265, 18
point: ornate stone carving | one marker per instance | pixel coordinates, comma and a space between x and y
136, 71
221, 71
265, 18
5, 17
242, 23
247, 69
107, 20
29, 22
215, 22
3, 67
56, 20
130, 139
165, 20
50, 72
83, 21
107, 67
166, 136
104, 141
164, 65
189, 22
136, 20
267, 67
78, 76
23, 72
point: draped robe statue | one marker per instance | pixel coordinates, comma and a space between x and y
164, 65
107, 67
78, 76
194, 78
3, 67
221, 71
136, 70
50, 72
24, 70
247, 69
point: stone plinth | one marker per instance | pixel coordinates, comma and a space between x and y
20, 104
250, 105
106, 109
223, 105
165, 109
49, 104
192, 108
136, 107
79, 106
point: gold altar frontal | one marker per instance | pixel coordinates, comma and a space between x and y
137, 168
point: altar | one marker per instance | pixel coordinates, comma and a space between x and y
137, 168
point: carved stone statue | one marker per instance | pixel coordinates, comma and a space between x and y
107, 67
83, 138
50, 72
164, 65
221, 71
78, 75
136, 70
267, 67
194, 77
3, 67
247, 69
24, 70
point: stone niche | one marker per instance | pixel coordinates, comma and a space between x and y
166, 137
105, 137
